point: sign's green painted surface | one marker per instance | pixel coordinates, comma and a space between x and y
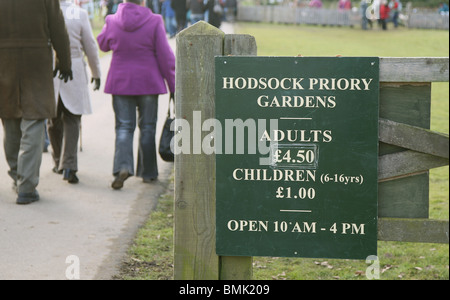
297, 156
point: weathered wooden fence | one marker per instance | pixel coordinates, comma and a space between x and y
408, 149
298, 15
426, 20
332, 17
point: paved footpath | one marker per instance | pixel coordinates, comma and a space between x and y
89, 220
86, 225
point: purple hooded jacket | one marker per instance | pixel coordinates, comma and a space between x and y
142, 59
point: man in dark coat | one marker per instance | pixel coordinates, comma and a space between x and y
28, 31
180, 8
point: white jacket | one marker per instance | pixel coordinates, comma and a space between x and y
75, 93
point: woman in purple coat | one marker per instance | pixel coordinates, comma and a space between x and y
141, 65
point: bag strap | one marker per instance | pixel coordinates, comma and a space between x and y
168, 110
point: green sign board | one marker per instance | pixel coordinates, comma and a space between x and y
296, 160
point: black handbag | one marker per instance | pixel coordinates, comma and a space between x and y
165, 150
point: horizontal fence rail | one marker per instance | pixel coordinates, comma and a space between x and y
409, 149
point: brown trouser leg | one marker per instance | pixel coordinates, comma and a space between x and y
64, 132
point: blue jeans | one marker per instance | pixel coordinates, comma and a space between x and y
171, 26
125, 108
196, 18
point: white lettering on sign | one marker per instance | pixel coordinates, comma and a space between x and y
273, 83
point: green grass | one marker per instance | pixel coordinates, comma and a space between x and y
397, 261
291, 40
151, 256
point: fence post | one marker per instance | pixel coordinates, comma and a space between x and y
195, 172
194, 229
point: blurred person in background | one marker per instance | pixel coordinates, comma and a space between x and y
197, 8
88, 5
180, 8
215, 12
111, 6
395, 6
169, 18
315, 3
230, 10
384, 14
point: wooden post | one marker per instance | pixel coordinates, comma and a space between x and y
194, 228
195, 172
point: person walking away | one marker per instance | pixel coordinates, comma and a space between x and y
215, 13
72, 98
112, 6
230, 10
88, 5
180, 8
315, 4
443, 9
169, 18
28, 31
197, 11
345, 4
395, 7
142, 63
364, 12
155, 6
384, 14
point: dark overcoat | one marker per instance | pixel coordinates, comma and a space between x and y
28, 31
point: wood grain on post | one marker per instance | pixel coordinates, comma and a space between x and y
194, 232
194, 229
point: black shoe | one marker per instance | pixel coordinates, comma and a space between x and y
27, 198
120, 179
70, 176
149, 180
56, 171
